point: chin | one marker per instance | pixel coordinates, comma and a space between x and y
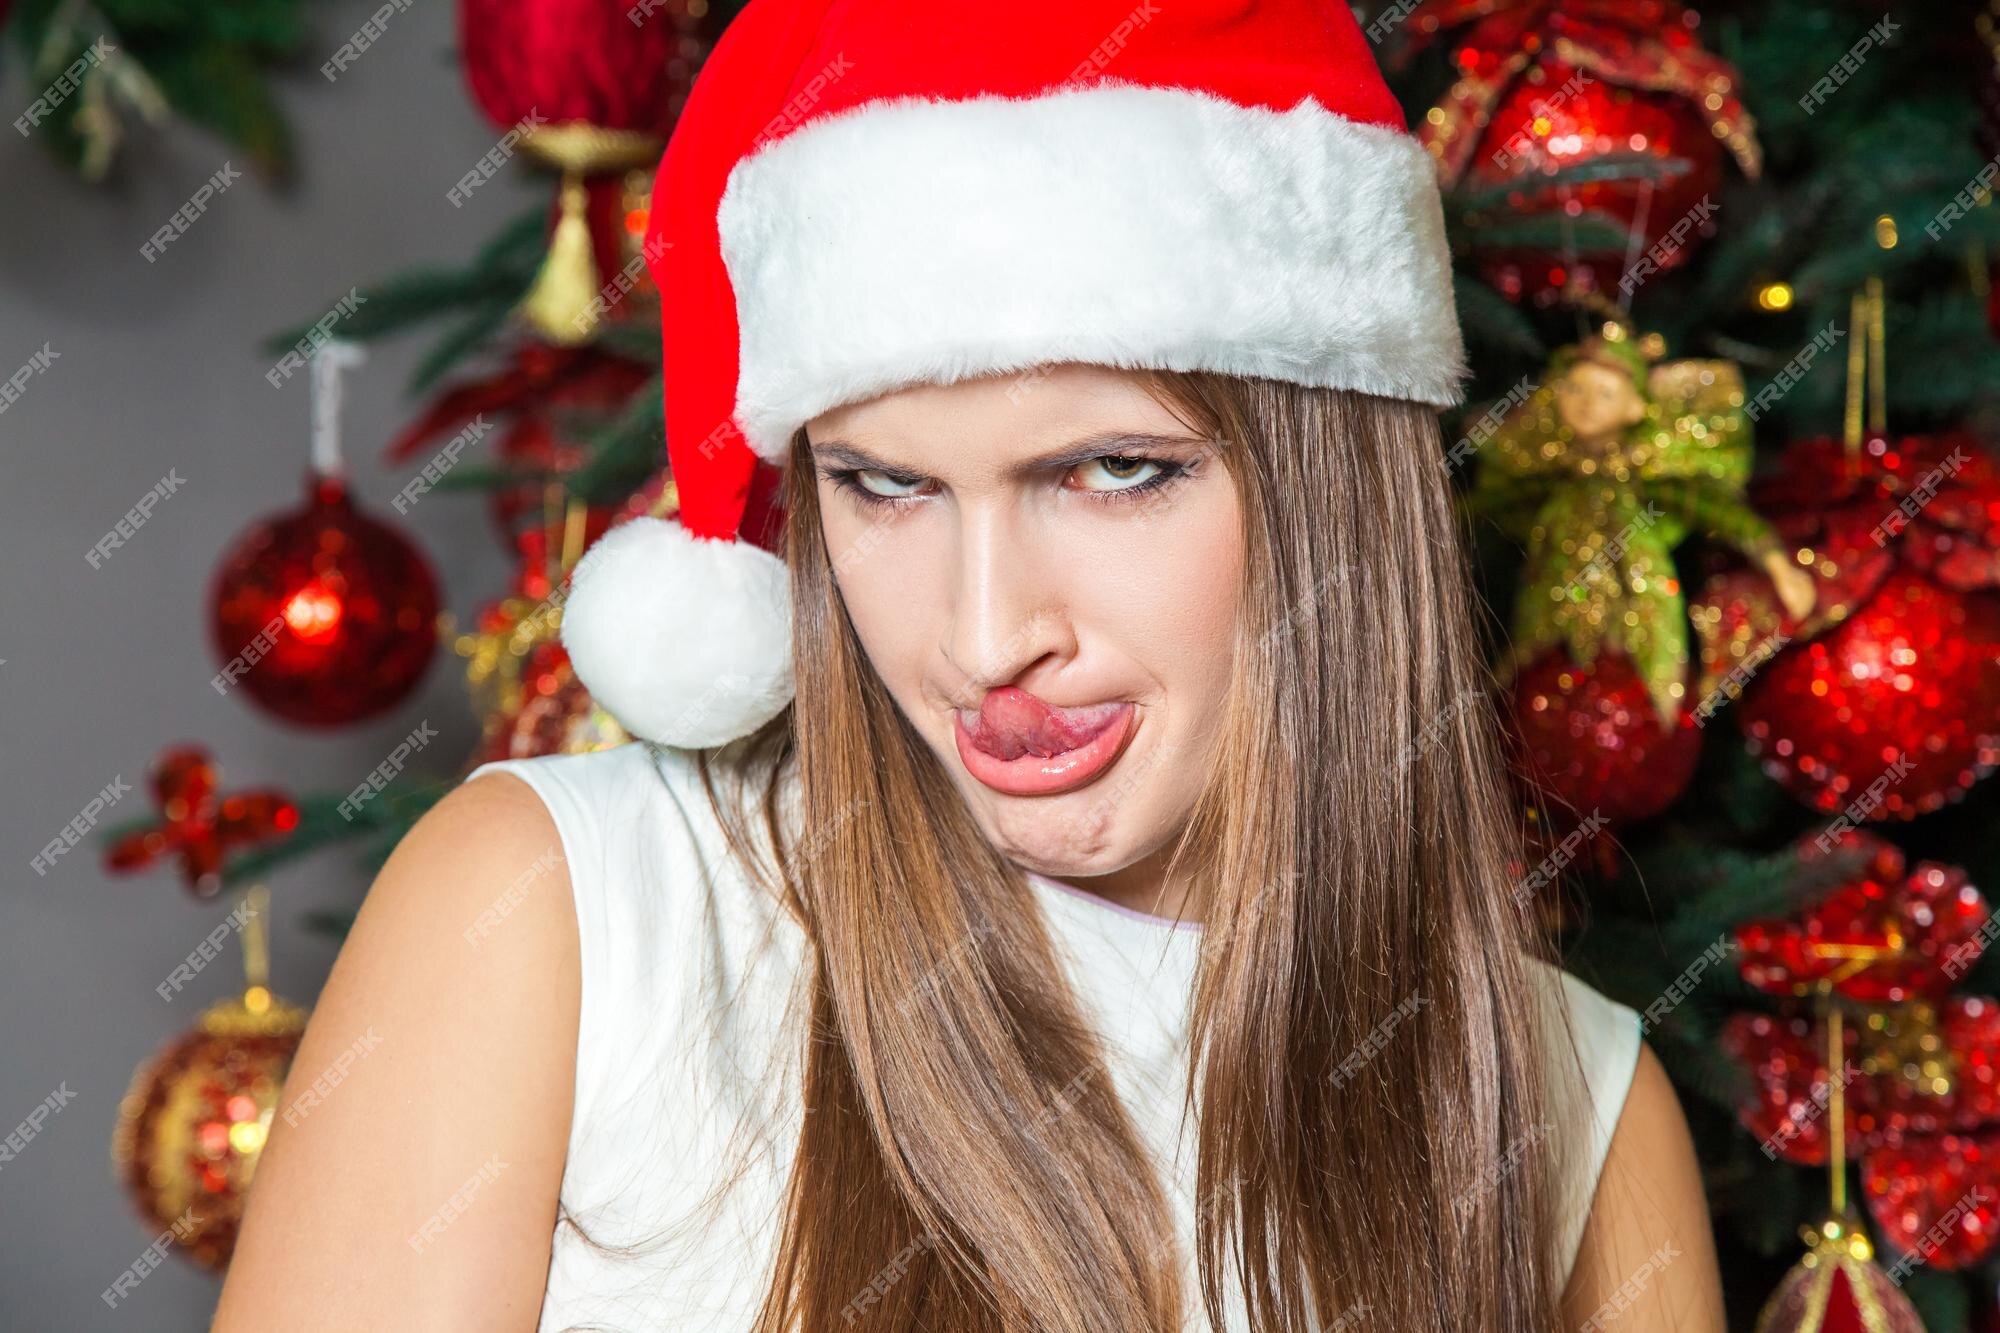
1097, 829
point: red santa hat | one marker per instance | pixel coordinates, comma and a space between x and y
862, 197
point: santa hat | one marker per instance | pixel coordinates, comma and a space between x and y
862, 197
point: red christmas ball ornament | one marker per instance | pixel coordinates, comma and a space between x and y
1894, 712
1589, 739
1549, 85
324, 615
1560, 118
607, 63
1884, 702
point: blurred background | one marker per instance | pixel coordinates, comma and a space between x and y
327, 346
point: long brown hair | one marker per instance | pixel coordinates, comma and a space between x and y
1376, 1137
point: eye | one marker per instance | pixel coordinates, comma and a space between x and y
1114, 472
887, 487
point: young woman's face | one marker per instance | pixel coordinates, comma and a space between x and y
1044, 568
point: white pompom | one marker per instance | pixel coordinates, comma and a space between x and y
685, 640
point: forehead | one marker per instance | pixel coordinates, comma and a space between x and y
987, 422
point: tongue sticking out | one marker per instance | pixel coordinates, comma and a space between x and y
1012, 722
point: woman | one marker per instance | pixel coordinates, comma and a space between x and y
1072, 887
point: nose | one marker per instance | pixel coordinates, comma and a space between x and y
1008, 620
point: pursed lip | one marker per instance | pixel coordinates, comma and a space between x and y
1047, 775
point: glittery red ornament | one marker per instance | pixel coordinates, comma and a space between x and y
1892, 713
1911, 1072
1565, 119
1937, 1198
322, 614
1589, 740
1886, 701
200, 827
1929, 924
1546, 85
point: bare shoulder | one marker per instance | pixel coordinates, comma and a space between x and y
1647, 1258
411, 1175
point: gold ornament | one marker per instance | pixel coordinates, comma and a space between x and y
564, 304
192, 1125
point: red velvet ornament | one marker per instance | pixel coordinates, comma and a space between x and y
1549, 84
581, 60
323, 615
1886, 703
1932, 918
200, 826
1589, 740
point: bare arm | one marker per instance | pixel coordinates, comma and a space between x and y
411, 1175
1646, 1263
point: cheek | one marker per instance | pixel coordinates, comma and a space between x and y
1161, 589
892, 576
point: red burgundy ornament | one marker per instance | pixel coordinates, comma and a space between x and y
200, 826
1838, 1288
581, 60
1885, 702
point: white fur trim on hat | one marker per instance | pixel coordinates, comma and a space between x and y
686, 641
914, 241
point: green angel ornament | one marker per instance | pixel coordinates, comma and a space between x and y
1605, 467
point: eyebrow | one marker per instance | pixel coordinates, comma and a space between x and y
1098, 445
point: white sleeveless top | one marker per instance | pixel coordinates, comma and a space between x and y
690, 1052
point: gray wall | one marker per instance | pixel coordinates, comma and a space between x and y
159, 369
